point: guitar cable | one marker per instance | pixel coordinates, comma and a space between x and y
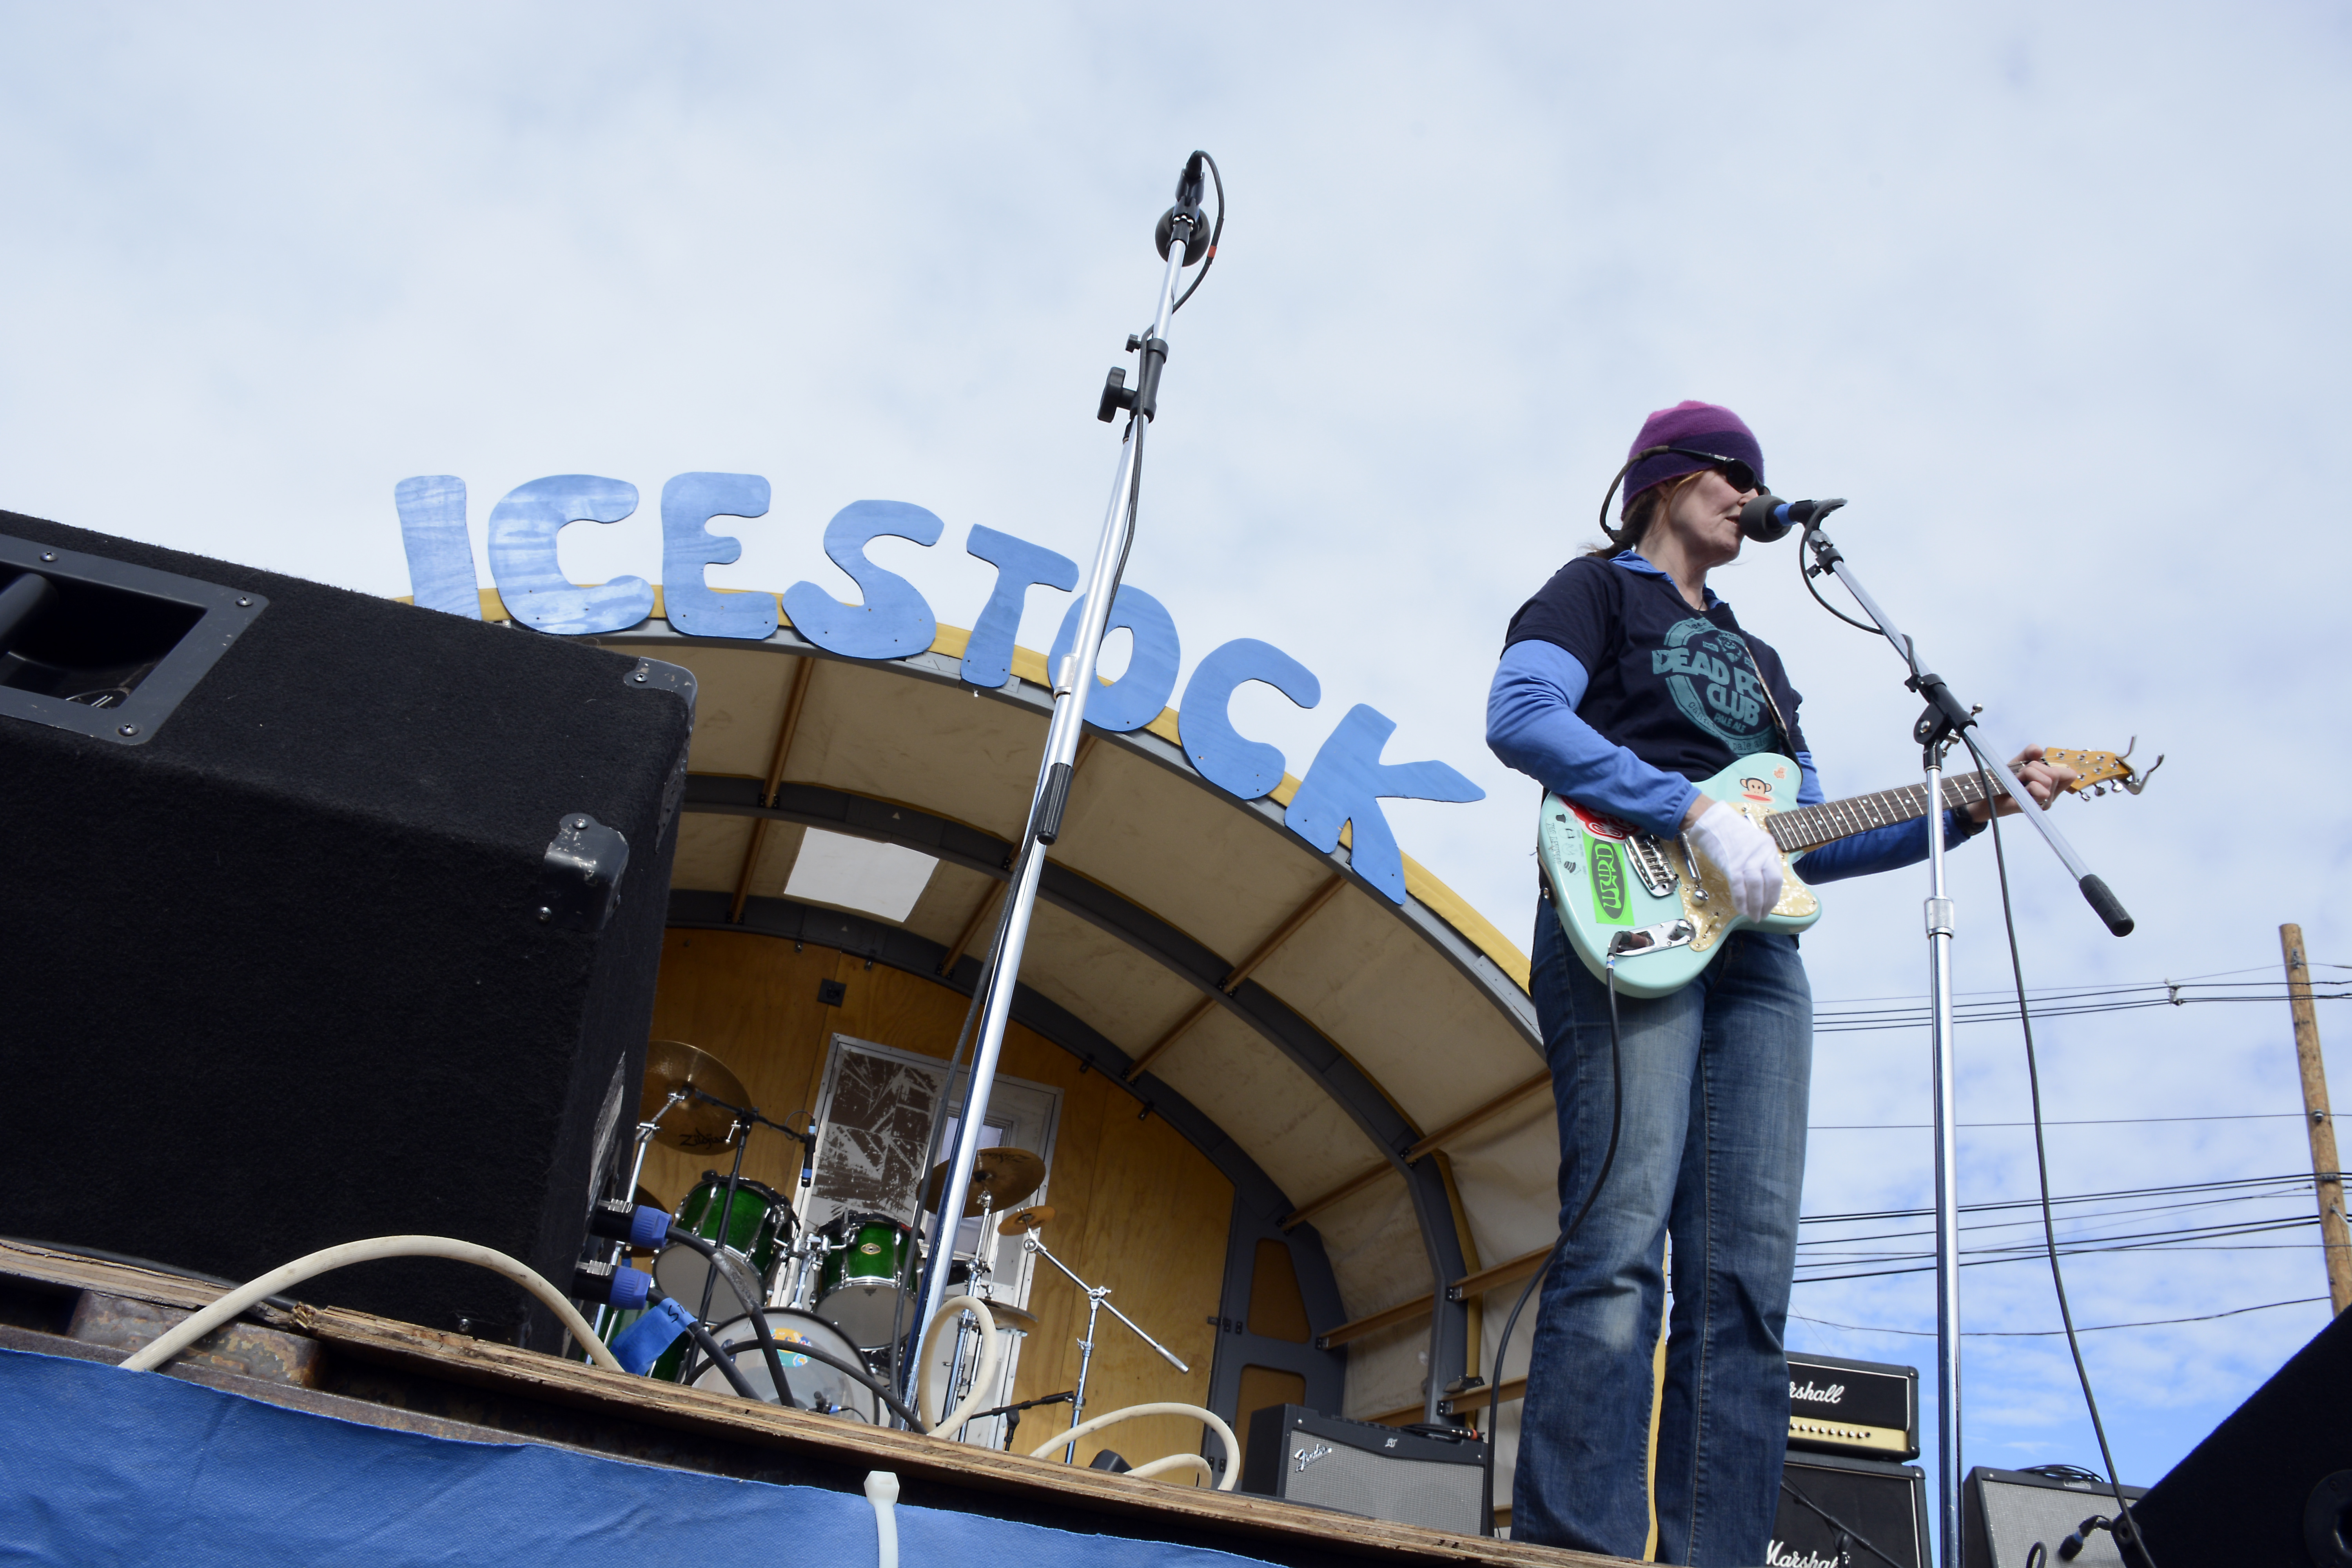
2128, 1539
1609, 1158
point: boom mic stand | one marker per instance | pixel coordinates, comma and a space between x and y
1182, 237
1946, 721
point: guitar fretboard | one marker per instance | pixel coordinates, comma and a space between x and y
1810, 826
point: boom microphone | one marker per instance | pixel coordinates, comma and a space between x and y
1767, 517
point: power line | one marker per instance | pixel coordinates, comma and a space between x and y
1996, 1204
2054, 1333
2090, 1122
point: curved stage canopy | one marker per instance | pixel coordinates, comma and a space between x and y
1367, 1074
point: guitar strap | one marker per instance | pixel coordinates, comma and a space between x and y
1788, 736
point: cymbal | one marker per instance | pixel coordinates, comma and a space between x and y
1012, 1318
1035, 1217
694, 1125
1006, 1175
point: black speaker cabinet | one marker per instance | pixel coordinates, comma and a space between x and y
1356, 1466
2272, 1484
1837, 1512
2004, 1512
323, 918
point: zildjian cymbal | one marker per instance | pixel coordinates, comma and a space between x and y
1006, 1175
694, 1125
1037, 1217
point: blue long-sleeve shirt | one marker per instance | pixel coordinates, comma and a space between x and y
1532, 724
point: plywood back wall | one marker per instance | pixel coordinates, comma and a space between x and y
1141, 1209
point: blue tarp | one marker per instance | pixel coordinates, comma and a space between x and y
101, 1467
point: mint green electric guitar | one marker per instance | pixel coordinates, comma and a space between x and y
1664, 910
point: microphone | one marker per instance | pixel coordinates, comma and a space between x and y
1769, 518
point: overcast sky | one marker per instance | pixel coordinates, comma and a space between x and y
2057, 300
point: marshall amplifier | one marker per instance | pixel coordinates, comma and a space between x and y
1850, 1514
1355, 1467
2004, 1512
1864, 1408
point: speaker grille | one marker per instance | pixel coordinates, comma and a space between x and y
1379, 1485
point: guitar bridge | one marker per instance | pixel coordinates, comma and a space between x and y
1651, 938
1649, 862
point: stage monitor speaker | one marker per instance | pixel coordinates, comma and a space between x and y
326, 917
1837, 1512
2004, 1512
1357, 1466
1864, 1409
2271, 1486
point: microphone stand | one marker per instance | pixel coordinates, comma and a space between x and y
1946, 721
1182, 237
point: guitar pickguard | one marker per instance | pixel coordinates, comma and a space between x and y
1707, 895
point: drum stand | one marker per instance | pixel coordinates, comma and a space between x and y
646, 1131
1097, 1298
1946, 721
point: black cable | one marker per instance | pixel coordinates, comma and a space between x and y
1842, 1527
654, 1296
752, 1309
1216, 232
1806, 573
1616, 1122
2041, 1151
802, 1347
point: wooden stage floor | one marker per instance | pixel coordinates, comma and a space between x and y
389, 1373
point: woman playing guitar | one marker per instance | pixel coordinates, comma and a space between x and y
1622, 680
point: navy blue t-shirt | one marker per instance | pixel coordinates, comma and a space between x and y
1677, 687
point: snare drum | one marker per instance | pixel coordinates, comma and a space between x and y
751, 1243
869, 1273
815, 1385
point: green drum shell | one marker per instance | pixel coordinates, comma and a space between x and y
755, 1231
866, 1271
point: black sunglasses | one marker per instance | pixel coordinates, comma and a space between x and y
1737, 472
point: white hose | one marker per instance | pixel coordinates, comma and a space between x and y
1208, 1418
1173, 1462
301, 1269
991, 1352
882, 1492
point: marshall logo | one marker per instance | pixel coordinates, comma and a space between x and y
1811, 1393
1776, 1555
1608, 884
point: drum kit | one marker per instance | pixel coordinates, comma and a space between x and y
833, 1296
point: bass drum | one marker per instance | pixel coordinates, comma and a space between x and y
827, 1390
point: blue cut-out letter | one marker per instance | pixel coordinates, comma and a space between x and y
1136, 698
1246, 768
440, 556
523, 556
1019, 566
688, 503
894, 622
1346, 783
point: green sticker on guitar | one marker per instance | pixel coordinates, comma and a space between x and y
1611, 906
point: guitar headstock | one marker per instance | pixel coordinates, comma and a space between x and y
2094, 771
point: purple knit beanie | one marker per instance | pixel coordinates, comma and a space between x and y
1702, 427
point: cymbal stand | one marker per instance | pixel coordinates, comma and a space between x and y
1097, 1298
967, 1331
746, 1118
1946, 721
619, 1249
1182, 237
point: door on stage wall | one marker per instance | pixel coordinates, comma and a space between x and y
874, 1117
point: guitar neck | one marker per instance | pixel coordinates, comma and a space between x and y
1810, 827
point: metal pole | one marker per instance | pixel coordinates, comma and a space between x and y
1073, 683
2326, 1170
1940, 917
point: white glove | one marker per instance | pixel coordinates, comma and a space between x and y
1744, 853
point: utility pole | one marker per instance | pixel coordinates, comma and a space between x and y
2326, 1170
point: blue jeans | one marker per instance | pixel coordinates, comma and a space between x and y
1711, 1152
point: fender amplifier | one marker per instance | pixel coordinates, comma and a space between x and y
1356, 1466
2004, 1512
1841, 1513
1867, 1409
